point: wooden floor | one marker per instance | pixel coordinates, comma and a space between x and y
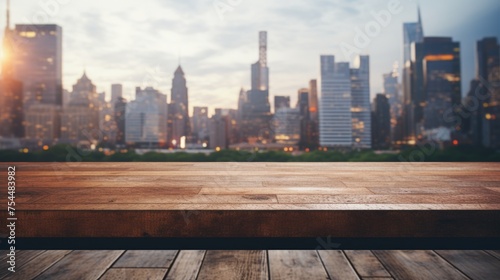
286, 265
256, 199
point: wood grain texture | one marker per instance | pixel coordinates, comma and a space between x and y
366, 264
474, 264
293, 265
83, 265
134, 273
30, 269
186, 266
228, 265
149, 259
418, 265
22, 257
286, 265
337, 265
262, 198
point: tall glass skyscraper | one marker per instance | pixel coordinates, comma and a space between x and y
179, 108
436, 82
38, 63
412, 33
335, 127
360, 104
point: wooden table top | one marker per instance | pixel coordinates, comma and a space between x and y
256, 199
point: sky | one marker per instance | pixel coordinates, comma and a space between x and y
140, 43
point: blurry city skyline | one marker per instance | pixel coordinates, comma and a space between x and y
215, 40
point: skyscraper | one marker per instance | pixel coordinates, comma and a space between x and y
260, 71
485, 92
200, 124
314, 113
412, 33
179, 108
305, 118
335, 106
360, 104
381, 123
281, 102
392, 91
38, 63
116, 92
436, 83
146, 118
11, 89
255, 109
80, 119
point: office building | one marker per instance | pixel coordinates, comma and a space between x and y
200, 125
436, 83
80, 119
381, 123
281, 102
412, 113
179, 122
335, 127
146, 119
360, 104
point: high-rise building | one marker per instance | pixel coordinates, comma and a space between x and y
335, 127
360, 104
381, 123
305, 118
120, 108
281, 102
38, 63
412, 33
80, 119
179, 122
484, 128
392, 91
11, 89
116, 92
255, 109
314, 113
436, 83
287, 126
200, 125
218, 130
146, 118
260, 70
43, 122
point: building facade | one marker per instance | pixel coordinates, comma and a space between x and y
335, 127
360, 104
146, 119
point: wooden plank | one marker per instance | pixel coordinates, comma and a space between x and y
366, 264
390, 199
261, 223
474, 264
89, 192
494, 253
284, 265
37, 265
250, 206
432, 190
418, 265
234, 265
22, 257
146, 259
158, 198
134, 273
81, 265
337, 265
186, 266
285, 190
